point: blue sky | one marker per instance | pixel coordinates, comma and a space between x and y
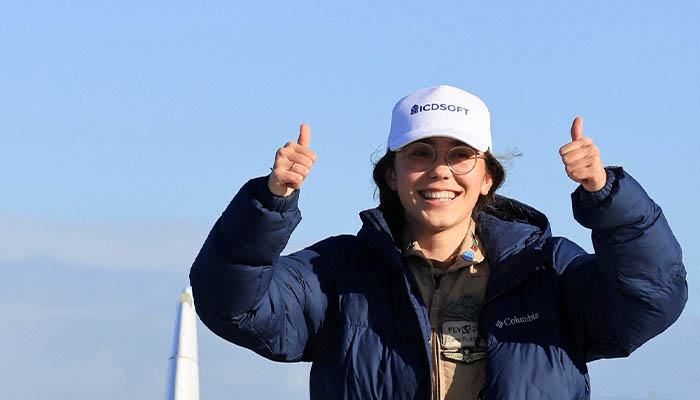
126, 127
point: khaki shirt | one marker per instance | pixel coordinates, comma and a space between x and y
453, 297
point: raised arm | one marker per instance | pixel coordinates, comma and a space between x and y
634, 286
244, 291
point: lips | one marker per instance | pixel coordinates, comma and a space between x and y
439, 195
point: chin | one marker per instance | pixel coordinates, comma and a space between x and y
440, 225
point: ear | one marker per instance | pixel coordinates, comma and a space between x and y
486, 183
390, 178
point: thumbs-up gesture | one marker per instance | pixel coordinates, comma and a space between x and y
582, 160
292, 164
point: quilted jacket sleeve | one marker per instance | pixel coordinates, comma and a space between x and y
634, 287
249, 295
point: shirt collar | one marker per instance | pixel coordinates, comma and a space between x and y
470, 245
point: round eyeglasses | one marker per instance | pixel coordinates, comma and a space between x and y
420, 156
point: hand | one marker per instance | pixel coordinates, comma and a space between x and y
582, 160
292, 164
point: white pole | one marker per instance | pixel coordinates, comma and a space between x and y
183, 374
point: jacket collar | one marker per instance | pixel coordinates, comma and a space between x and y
376, 234
509, 228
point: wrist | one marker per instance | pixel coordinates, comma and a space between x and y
278, 190
596, 183
272, 201
590, 199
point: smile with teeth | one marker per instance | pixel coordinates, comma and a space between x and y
444, 195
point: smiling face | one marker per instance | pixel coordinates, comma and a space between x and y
437, 200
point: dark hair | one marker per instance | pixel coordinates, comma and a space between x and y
390, 204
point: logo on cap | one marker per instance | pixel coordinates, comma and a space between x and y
438, 107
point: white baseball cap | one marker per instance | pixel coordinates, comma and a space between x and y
441, 111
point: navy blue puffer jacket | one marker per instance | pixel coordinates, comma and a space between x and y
350, 306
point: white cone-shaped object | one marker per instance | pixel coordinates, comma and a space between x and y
183, 374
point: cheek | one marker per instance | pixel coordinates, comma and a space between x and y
405, 192
400, 179
405, 187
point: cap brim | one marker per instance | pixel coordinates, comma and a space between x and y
476, 141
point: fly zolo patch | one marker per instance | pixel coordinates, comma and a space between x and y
455, 335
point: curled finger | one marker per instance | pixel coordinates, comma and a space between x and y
581, 153
299, 168
291, 179
297, 148
300, 159
572, 146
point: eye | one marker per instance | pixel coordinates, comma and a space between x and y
462, 153
419, 153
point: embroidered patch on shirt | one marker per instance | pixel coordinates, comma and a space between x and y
466, 356
455, 335
466, 307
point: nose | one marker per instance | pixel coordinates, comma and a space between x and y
440, 169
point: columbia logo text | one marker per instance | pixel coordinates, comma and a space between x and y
517, 320
438, 107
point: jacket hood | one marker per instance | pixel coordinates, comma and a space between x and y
505, 227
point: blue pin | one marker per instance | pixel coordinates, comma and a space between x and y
468, 255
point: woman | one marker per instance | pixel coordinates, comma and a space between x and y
447, 291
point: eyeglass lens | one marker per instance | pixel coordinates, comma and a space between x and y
421, 156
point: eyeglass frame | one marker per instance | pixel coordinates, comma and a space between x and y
476, 156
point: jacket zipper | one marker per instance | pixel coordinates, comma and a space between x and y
407, 276
436, 361
435, 348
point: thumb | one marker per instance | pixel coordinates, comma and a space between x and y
577, 129
304, 135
